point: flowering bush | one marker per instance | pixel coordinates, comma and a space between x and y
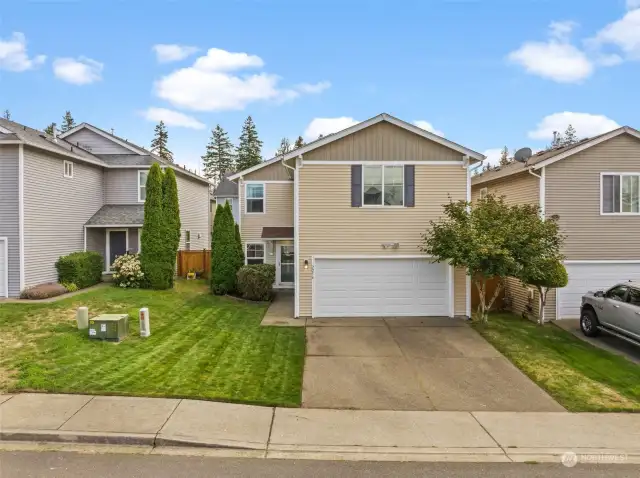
127, 272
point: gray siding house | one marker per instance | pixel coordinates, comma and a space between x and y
83, 190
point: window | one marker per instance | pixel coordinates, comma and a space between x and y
187, 240
255, 253
634, 297
255, 199
382, 185
617, 293
620, 194
68, 169
142, 185
484, 192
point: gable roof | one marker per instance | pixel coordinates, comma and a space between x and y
226, 188
116, 139
360, 126
544, 158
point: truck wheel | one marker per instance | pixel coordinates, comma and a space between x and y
589, 323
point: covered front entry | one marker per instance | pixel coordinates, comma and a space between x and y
592, 276
381, 287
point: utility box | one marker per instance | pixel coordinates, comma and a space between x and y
112, 327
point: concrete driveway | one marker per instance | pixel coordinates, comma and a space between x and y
411, 364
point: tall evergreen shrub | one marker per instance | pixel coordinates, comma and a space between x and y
224, 253
171, 213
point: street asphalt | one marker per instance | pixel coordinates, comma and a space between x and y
68, 465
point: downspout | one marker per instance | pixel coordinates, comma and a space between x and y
467, 284
296, 231
541, 194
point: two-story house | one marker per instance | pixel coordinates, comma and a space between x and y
342, 219
82, 190
594, 188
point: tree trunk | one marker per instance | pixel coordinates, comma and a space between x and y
483, 307
542, 301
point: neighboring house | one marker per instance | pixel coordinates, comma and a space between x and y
342, 219
83, 190
226, 192
594, 188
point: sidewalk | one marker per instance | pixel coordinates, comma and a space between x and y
315, 433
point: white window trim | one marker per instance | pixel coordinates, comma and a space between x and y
264, 198
378, 206
140, 171
602, 175
107, 269
187, 243
484, 192
70, 164
255, 243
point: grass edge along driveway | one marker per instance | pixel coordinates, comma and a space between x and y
201, 347
581, 377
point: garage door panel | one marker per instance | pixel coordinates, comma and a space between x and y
380, 287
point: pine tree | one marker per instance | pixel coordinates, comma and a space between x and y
7, 115
299, 143
157, 274
219, 157
504, 156
67, 121
557, 140
160, 141
49, 129
285, 147
249, 146
570, 136
171, 214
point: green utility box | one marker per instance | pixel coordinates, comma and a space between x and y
113, 327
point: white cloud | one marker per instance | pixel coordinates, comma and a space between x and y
13, 54
633, 4
325, 126
172, 118
166, 53
428, 127
493, 156
556, 59
313, 88
208, 85
585, 124
82, 71
623, 33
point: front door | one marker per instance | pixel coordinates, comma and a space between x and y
286, 266
117, 245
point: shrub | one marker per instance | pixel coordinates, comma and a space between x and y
127, 272
240, 249
69, 286
224, 252
171, 214
84, 269
255, 282
43, 291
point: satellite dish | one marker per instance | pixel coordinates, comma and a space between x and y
522, 155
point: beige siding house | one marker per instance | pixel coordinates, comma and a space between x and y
594, 189
342, 219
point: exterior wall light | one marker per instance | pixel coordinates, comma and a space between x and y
306, 264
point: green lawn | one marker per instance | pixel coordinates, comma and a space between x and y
201, 346
578, 375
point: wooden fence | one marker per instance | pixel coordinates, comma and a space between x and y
194, 260
491, 289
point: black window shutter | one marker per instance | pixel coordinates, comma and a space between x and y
356, 185
409, 185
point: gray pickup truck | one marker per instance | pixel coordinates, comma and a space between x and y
615, 311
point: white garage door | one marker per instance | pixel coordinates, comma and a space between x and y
3, 268
591, 277
380, 287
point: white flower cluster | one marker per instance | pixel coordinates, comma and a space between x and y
127, 272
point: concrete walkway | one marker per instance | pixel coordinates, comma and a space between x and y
316, 433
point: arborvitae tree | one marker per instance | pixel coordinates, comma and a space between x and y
171, 213
570, 136
249, 146
224, 256
153, 259
504, 156
285, 147
160, 142
49, 129
239, 247
219, 157
299, 143
67, 121
7, 115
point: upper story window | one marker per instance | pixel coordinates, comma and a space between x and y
620, 193
255, 199
68, 169
142, 185
382, 185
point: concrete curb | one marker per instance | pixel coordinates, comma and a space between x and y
63, 436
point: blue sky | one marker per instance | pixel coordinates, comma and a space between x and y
483, 73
